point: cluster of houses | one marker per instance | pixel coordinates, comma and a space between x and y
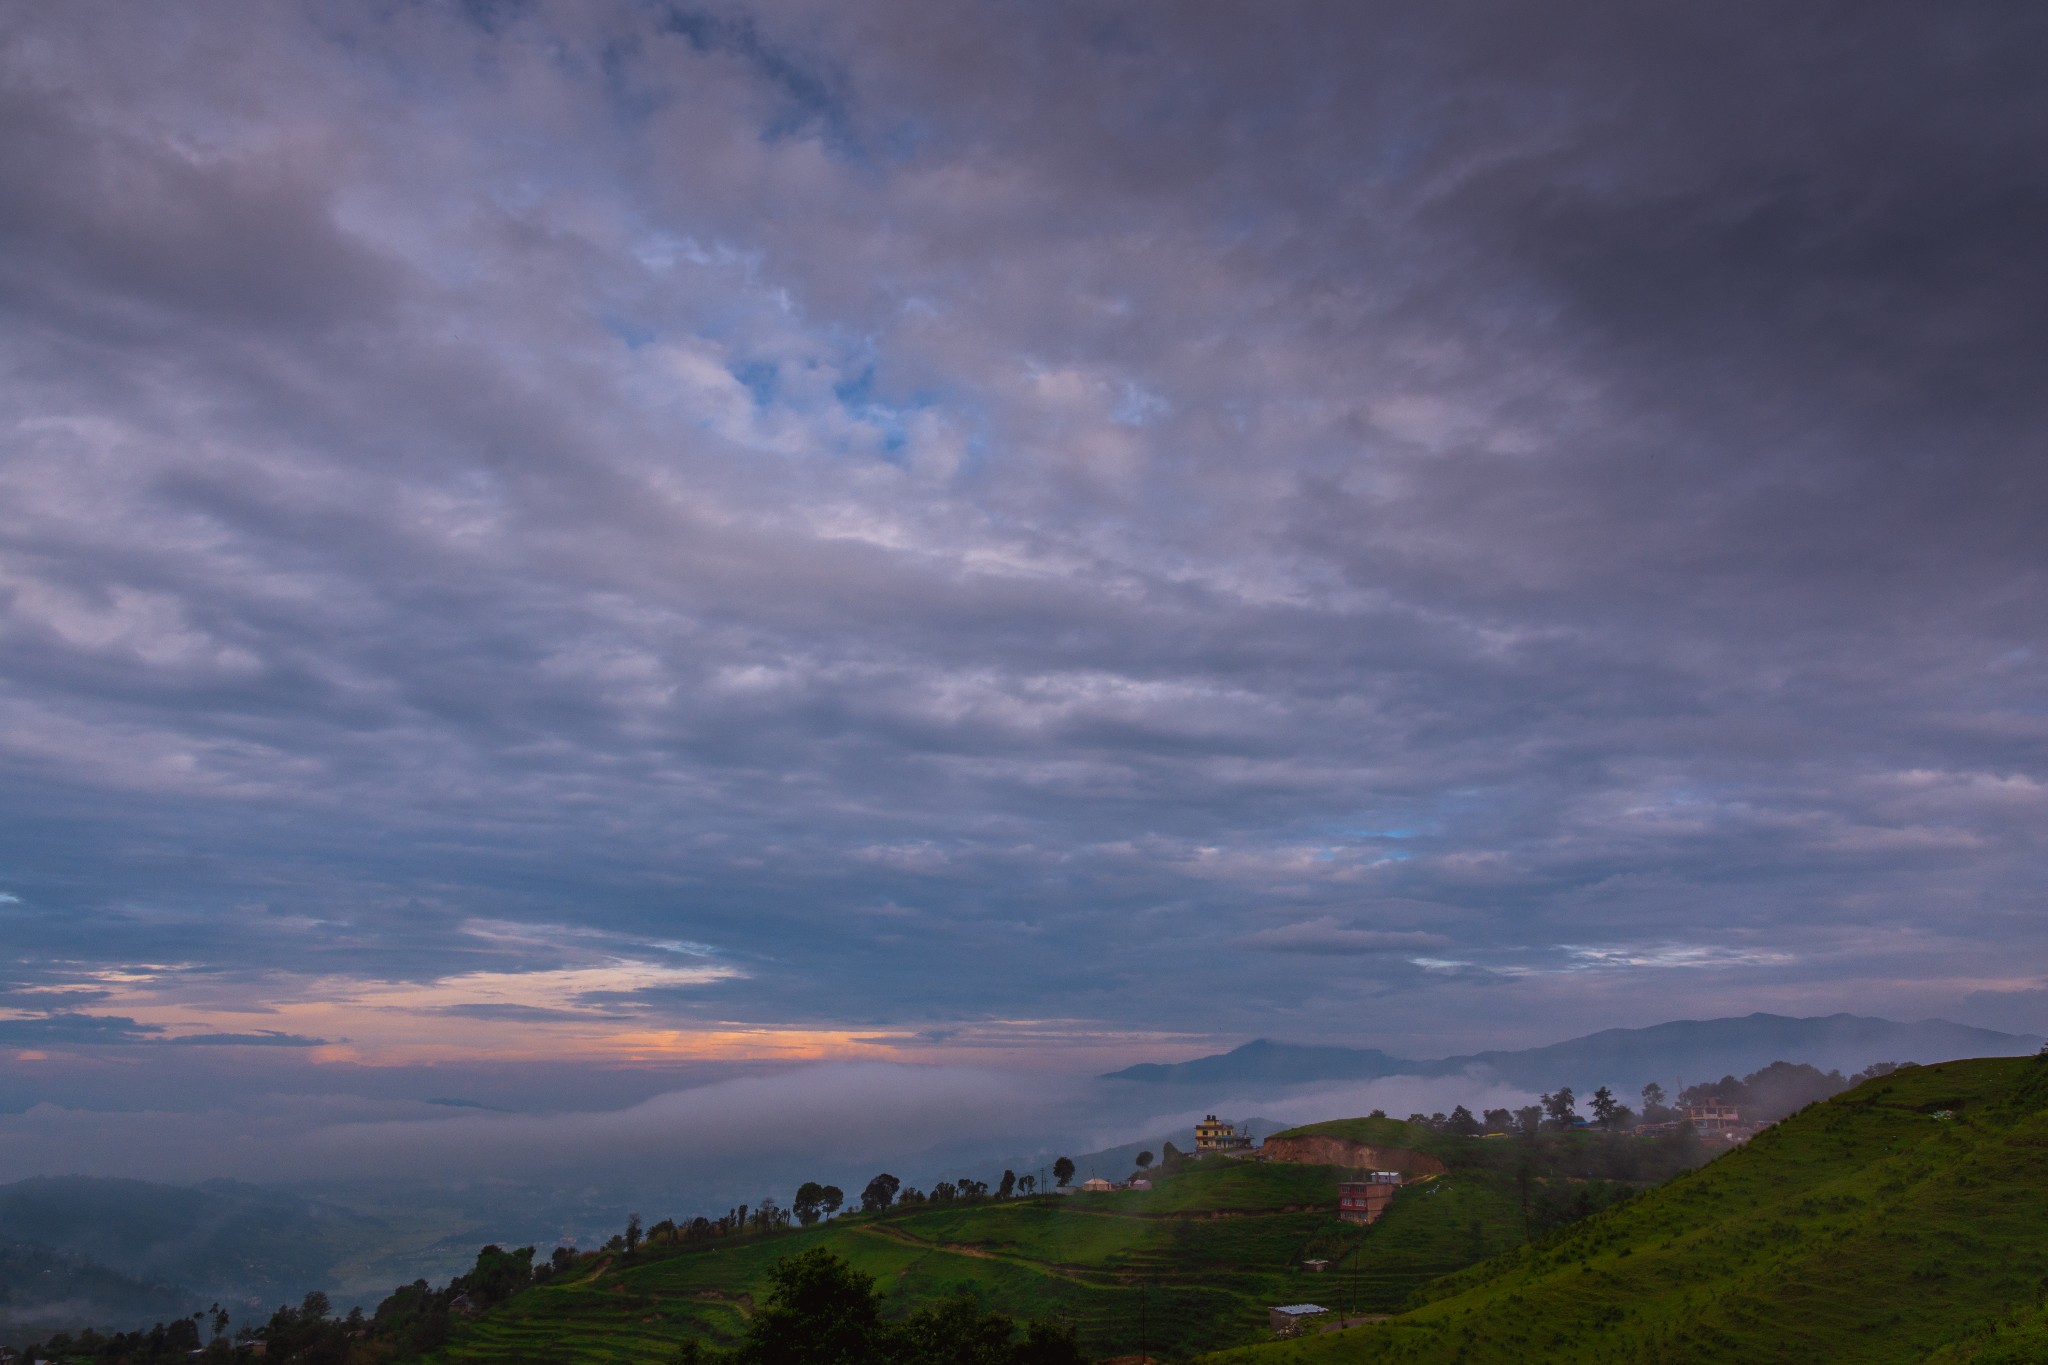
1713, 1122
1358, 1201
1364, 1201
1097, 1185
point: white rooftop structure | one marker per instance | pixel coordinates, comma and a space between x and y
1286, 1320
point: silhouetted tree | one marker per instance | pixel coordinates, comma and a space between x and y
1047, 1343
820, 1311
1462, 1123
1144, 1160
880, 1193
632, 1234
1028, 1184
1562, 1107
1007, 1186
1605, 1107
1063, 1170
956, 1330
1499, 1120
497, 1275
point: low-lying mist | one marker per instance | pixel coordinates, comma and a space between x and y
694, 1149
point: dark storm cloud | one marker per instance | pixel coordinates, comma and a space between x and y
976, 514
102, 1030
74, 1029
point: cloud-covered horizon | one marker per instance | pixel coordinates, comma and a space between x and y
727, 1139
649, 535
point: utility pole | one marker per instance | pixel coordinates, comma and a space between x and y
1351, 1290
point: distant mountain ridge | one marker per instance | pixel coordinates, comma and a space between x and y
44, 1290
1274, 1062
120, 1254
1687, 1049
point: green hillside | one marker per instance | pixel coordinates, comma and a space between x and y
1380, 1132
1901, 1221
1192, 1264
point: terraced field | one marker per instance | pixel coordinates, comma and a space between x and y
1190, 1265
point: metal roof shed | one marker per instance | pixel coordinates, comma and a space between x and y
1288, 1318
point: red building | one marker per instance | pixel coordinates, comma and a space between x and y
1363, 1201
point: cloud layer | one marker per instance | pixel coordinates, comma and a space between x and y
651, 534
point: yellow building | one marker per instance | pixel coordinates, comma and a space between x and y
1214, 1135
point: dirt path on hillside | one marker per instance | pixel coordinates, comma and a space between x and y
1081, 1275
1196, 1215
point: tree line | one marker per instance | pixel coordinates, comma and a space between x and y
1763, 1096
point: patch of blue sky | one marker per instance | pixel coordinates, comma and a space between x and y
762, 379
892, 425
890, 417
1139, 406
633, 334
857, 392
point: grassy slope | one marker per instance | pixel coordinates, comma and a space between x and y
2020, 1338
1208, 1250
1380, 1132
1863, 1229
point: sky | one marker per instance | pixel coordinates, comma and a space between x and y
556, 552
